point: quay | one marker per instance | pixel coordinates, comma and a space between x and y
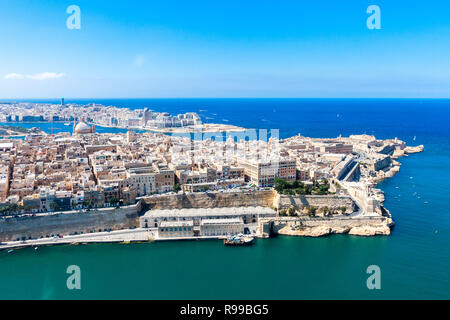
139, 235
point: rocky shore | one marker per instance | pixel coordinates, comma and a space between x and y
357, 228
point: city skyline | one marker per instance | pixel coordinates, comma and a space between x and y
203, 49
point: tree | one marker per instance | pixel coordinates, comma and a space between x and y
291, 212
176, 187
279, 184
312, 210
113, 201
325, 210
315, 184
343, 209
87, 203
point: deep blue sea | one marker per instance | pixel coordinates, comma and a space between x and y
414, 261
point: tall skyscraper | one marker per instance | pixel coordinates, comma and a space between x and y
62, 101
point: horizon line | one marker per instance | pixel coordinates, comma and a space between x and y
229, 98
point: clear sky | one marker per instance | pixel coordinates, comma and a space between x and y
233, 48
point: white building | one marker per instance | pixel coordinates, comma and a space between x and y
143, 180
175, 229
248, 215
222, 227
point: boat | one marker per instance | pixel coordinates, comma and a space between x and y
67, 124
239, 240
10, 250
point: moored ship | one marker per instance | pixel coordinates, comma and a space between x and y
239, 240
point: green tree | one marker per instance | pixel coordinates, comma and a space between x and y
176, 187
53, 205
291, 212
279, 184
312, 210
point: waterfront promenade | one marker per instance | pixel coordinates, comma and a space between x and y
118, 236
132, 235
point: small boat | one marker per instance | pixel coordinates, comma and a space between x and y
10, 250
239, 240
35, 248
67, 124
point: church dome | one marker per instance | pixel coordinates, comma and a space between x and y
82, 127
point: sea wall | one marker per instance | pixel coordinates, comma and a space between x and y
69, 222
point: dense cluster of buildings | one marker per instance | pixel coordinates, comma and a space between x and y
95, 114
60, 172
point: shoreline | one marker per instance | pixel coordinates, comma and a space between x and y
204, 128
138, 235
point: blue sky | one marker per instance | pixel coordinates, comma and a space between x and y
176, 48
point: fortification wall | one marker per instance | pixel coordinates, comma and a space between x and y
263, 198
125, 217
68, 223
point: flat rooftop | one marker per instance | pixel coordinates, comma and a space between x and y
221, 221
176, 224
201, 212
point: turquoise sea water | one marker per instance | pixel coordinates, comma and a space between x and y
414, 260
